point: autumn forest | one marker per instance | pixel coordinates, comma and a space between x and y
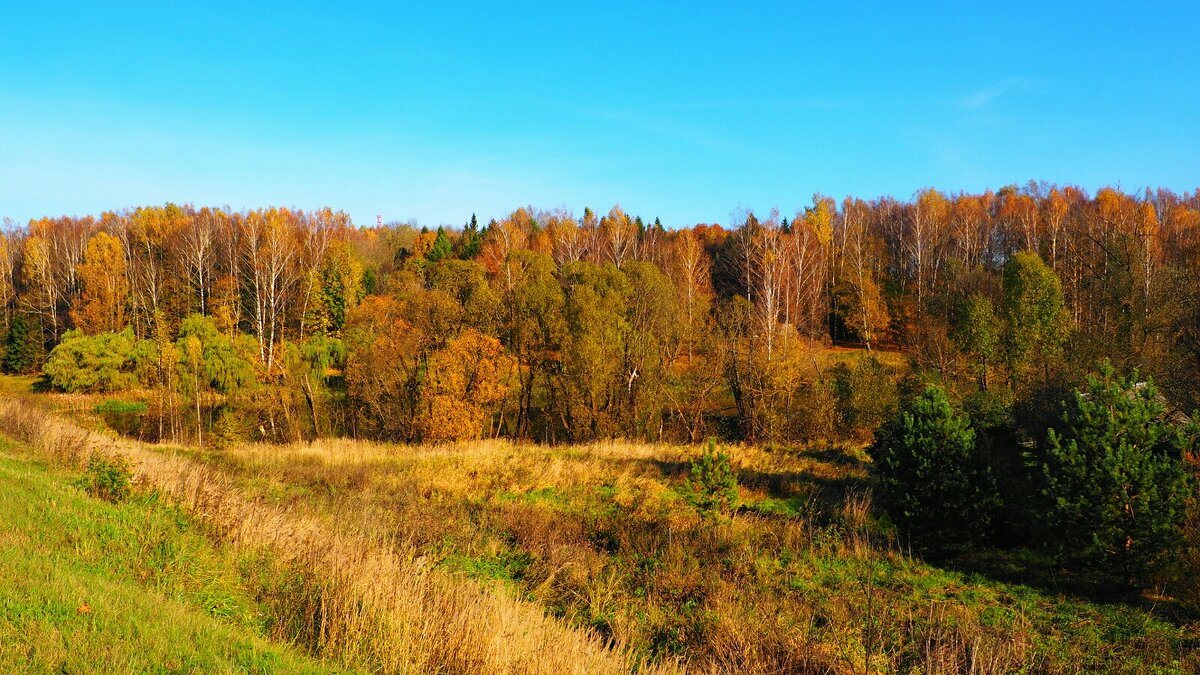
557, 327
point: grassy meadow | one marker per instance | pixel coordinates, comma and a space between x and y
499, 557
90, 586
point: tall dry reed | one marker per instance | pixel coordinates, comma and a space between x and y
355, 600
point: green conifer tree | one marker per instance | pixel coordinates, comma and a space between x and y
712, 486
19, 347
1115, 481
441, 246
934, 485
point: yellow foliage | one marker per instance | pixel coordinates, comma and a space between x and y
464, 380
101, 307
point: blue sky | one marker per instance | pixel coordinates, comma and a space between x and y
684, 111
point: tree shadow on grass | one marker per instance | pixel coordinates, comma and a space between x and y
42, 385
1037, 570
836, 456
824, 494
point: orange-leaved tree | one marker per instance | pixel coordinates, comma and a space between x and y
463, 383
101, 306
383, 363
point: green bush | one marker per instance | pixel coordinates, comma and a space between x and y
1115, 482
227, 430
866, 395
108, 478
934, 484
812, 415
712, 487
103, 362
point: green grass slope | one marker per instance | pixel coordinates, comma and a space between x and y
89, 586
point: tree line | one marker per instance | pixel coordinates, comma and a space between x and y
558, 327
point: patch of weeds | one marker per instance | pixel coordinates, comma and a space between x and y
792, 507
547, 495
507, 566
606, 491
605, 539
107, 478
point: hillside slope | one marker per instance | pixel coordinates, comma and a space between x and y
89, 586
492, 556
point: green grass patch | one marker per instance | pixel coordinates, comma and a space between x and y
507, 566
548, 495
118, 406
792, 507
92, 586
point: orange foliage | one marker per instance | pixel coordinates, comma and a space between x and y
463, 382
102, 275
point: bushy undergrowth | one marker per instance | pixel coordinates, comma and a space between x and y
108, 478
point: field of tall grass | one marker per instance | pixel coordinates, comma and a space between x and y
501, 557
338, 586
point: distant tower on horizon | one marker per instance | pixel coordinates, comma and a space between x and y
378, 220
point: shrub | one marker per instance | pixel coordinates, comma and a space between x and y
935, 486
1115, 482
1000, 445
1187, 586
866, 395
104, 362
227, 431
812, 415
712, 487
108, 478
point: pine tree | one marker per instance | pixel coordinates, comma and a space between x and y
935, 487
468, 245
1115, 481
713, 484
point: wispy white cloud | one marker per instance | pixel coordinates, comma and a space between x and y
984, 97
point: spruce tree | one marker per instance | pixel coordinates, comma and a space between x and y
441, 246
467, 246
1115, 482
18, 347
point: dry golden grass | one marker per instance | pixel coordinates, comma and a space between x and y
365, 601
424, 493
390, 548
